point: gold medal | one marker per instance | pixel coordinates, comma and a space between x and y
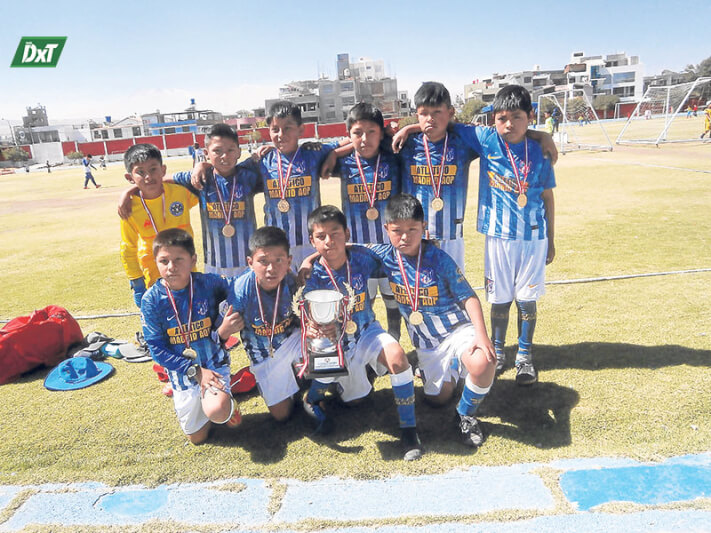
190, 353
351, 327
416, 318
372, 214
522, 200
437, 204
228, 230
271, 350
283, 205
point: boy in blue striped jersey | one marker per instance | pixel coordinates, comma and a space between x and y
340, 269
369, 177
442, 313
517, 215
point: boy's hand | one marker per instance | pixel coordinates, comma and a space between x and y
264, 150
210, 380
485, 345
124, 205
311, 145
549, 148
399, 140
328, 165
314, 331
197, 174
231, 323
551, 252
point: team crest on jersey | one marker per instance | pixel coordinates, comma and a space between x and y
177, 208
224, 306
357, 282
202, 307
426, 276
239, 191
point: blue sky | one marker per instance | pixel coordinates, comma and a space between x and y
131, 56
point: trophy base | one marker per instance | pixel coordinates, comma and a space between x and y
324, 366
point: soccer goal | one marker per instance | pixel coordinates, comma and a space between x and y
661, 116
578, 125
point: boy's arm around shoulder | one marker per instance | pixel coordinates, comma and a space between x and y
402, 135
547, 144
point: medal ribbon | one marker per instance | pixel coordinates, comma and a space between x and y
148, 211
304, 351
284, 182
274, 316
519, 183
371, 197
414, 302
436, 188
227, 214
185, 334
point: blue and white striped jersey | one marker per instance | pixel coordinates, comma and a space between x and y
355, 199
442, 292
162, 332
223, 254
499, 215
416, 180
256, 332
303, 191
363, 266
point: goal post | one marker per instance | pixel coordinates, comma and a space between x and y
661, 117
579, 127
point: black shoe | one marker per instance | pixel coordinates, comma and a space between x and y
411, 444
500, 361
526, 374
470, 430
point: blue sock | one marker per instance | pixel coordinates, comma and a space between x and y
317, 392
404, 390
499, 323
472, 396
527, 325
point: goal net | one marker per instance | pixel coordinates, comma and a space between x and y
578, 125
665, 114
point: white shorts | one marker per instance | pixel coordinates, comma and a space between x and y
514, 270
455, 249
298, 254
444, 363
188, 404
275, 375
366, 351
379, 283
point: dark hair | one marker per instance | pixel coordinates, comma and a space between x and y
283, 109
364, 111
326, 213
174, 237
512, 98
432, 94
404, 207
88, 155
221, 130
140, 153
265, 237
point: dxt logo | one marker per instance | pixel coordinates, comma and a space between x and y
38, 52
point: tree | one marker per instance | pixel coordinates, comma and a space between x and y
254, 136
15, 154
606, 102
74, 156
576, 107
471, 109
702, 70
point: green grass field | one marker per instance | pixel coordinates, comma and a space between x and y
624, 364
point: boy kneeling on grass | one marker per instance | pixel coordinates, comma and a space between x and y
180, 315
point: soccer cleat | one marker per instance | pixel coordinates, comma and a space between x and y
411, 444
86, 187
470, 431
500, 360
526, 374
99, 185
324, 425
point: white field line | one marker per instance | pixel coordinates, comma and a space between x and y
637, 164
555, 282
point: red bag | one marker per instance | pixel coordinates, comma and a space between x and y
43, 338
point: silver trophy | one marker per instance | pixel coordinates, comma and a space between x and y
324, 355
